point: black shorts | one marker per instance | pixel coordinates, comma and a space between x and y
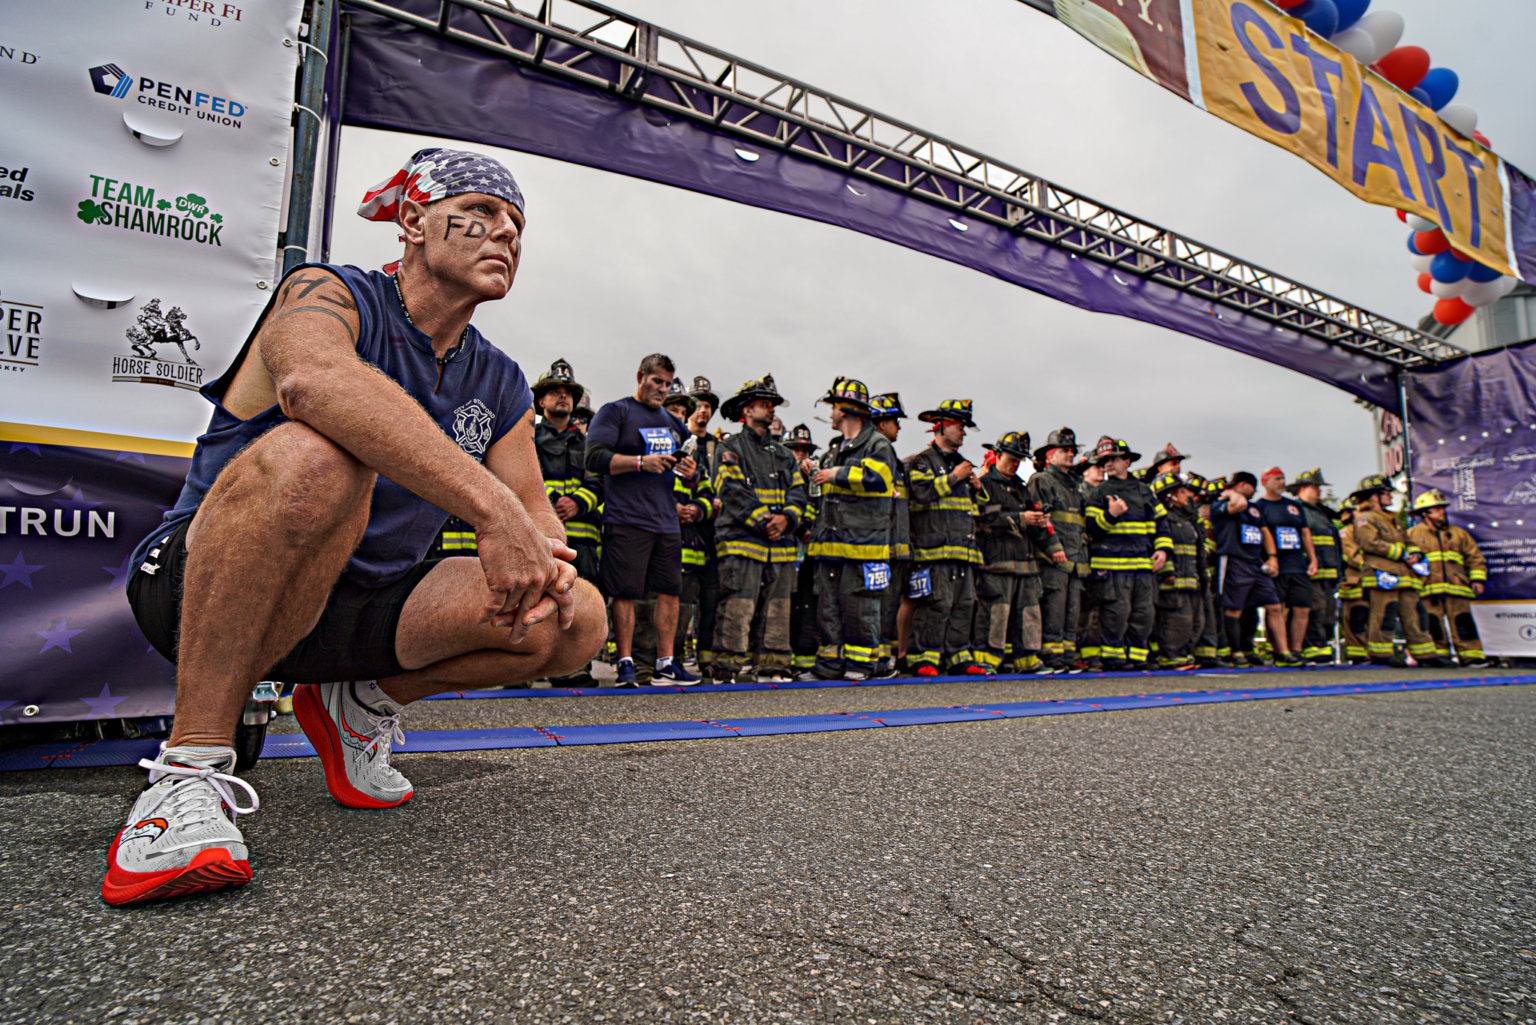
637, 562
354, 639
1244, 584
1295, 590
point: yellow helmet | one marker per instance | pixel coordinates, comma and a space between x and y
1434, 498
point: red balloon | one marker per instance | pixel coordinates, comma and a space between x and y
1452, 311
1428, 243
1463, 259
1480, 137
1286, 5
1424, 280
1402, 215
1405, 67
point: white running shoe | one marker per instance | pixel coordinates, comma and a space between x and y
354, 743
179, 838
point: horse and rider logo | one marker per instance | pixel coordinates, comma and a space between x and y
152, 331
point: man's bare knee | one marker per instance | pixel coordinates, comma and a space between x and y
572, 649
315, 486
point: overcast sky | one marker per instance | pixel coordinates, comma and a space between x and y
615, 267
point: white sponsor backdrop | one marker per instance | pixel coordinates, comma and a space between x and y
1507, 628
137, 219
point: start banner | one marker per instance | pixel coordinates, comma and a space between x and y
1254, 66
142, 176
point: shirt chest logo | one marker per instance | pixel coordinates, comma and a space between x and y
472, 424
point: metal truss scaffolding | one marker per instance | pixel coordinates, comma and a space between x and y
604, 49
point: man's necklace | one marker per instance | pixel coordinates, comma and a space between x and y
463, 336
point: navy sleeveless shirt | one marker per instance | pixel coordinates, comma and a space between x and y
481, 396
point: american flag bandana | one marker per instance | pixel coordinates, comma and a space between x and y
433, 174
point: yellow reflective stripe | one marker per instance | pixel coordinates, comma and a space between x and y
1185, 550
1125, 563
693, 557
1158, 511
1098, 517
1131, 527
943, 485
1324, 573
871, 477
844, 550
1444, 556
745, 549
757, 516
859, 652
1431, 590
770, 496
581, 531
1162, 544
1060, 516
1322, 539
728, 471
954, 553
1479, 575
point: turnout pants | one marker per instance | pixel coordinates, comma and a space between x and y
941, 620
1125, 613
1088, 634
847, 619
750, 589
1454, 613
1318, 642
1175, 629
1404, 601
1061, 601
1211, 636
1007, 623
802, 616
1353, 621
890, 606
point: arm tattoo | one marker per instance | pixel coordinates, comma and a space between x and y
351, 334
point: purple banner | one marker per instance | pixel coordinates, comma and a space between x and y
402, 79
69, 520
1472, 433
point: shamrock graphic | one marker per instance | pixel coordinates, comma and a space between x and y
216, 218
192, 203
163, 204
91, 212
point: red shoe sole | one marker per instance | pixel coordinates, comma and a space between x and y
211, 869
317, 725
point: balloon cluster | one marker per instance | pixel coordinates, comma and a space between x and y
1459, 283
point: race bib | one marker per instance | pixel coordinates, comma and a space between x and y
1421, 567
1252, 535
658, 441
919, 584
1288, 538
877, 576
1387, 581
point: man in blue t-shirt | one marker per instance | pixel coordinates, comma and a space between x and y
1295, 559
638, 446
1245, 570
363, 410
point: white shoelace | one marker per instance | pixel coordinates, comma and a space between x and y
214, 778
384, 726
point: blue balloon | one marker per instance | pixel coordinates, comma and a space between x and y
1419, 94
1322, 16
1350, 11
1445, 267
1441, 85
1482, 272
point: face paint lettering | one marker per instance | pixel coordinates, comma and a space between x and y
475, 228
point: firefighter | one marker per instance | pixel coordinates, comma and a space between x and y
943, 516
1166, 460
802, 606
851, 538
1457, 574
762, 499
575, 493
582, 414
1317, 645
1178, 612
1355, 611
707, 580
1212, 650
1388, 576
1089, 476
1014, 534
1055, 489
895, 609
1129, 544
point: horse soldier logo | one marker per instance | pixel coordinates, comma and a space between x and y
472, 424
146, 366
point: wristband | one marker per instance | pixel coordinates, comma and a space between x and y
639, 464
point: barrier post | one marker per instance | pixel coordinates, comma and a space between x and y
306, 111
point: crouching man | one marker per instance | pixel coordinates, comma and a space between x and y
362, 409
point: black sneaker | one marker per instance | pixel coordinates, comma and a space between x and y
626, 677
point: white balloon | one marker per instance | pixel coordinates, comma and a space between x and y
1460, 117
1385, 28
1420, 262
1506, 285
1356, 42
1418, 223
1449, 289
1481, 293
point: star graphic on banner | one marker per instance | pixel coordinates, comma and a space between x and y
78, 502
138, 456
21, 446
18, 572
58, 637
3, 706
119, 572
103, 705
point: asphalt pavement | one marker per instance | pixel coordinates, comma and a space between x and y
1365, 859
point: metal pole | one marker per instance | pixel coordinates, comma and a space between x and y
1402, 401
307, 114
333, 155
